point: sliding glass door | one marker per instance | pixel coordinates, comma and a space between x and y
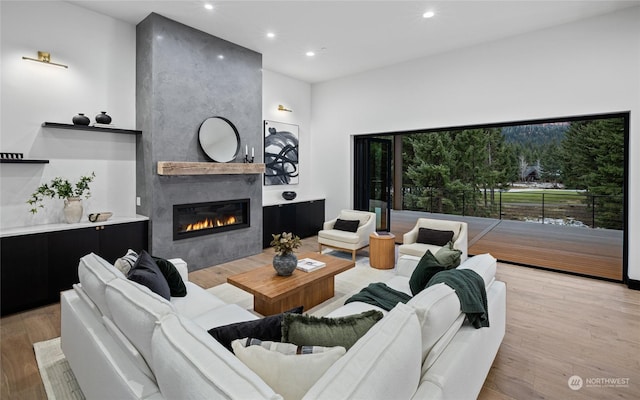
373, 185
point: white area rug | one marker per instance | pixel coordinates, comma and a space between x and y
57, 377
346, 284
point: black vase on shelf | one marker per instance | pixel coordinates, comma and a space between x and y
80, 119
103, 118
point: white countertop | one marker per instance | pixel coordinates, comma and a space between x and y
33, 229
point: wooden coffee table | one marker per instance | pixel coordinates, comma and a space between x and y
273, 294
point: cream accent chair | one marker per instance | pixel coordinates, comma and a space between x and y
348, 241
410, 247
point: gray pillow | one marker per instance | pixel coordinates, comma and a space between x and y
307, 330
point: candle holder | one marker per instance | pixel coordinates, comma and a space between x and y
248, 160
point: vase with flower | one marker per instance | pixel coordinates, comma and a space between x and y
63, 189
285, 260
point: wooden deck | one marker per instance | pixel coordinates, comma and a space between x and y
584, 251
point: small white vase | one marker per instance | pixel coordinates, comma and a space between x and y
72, 209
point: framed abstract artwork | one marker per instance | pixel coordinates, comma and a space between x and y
280, 153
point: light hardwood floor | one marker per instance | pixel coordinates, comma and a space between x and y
586, 252
558, 326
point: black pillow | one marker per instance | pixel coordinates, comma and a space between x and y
171, 274
427, 267
434, 236
265, 329
346, 225
146, 272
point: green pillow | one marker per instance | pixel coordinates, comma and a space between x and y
171, 274
427, 267
307, 330
448, 256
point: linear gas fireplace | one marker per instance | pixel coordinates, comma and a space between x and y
197, 219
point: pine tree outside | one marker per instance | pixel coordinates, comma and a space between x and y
564, 172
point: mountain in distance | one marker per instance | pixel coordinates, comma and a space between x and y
536, 133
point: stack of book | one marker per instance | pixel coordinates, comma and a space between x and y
309, 264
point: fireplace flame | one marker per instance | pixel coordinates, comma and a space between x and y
210, 223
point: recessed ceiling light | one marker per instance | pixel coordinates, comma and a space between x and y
428, 14
310, 53
271, 35
221, 56
208, 6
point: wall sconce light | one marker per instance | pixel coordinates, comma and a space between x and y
44, 58
282, 108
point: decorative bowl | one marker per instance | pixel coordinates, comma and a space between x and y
289, 195
100, 217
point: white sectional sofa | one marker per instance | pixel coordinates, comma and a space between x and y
125, 342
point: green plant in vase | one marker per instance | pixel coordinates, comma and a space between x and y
63, 189
285, 261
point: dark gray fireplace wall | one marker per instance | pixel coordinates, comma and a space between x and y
183, 77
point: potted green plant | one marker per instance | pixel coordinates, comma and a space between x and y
63, 189
285, 261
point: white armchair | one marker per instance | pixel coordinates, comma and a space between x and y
345, 240
411, 247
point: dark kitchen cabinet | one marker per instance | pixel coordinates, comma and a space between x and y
115, 240
65, 249
25, 275
36, 268
304, 219
309, 218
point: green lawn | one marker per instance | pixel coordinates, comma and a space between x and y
550, 196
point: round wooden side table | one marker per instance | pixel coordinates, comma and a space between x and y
382, 250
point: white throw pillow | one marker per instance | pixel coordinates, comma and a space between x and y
290, 375
126, 262
383, 364
282, 347
190, 364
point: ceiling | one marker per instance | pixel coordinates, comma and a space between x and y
353, 36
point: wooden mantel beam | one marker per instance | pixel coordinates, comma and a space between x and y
177, 168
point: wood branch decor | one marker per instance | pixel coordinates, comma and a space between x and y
177, 168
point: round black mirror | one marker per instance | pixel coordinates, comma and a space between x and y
219, 139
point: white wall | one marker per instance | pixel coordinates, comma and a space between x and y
576, 69
295, 95
100, 53
588, 67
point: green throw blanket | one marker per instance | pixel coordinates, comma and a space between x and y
469, 287
381, 295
